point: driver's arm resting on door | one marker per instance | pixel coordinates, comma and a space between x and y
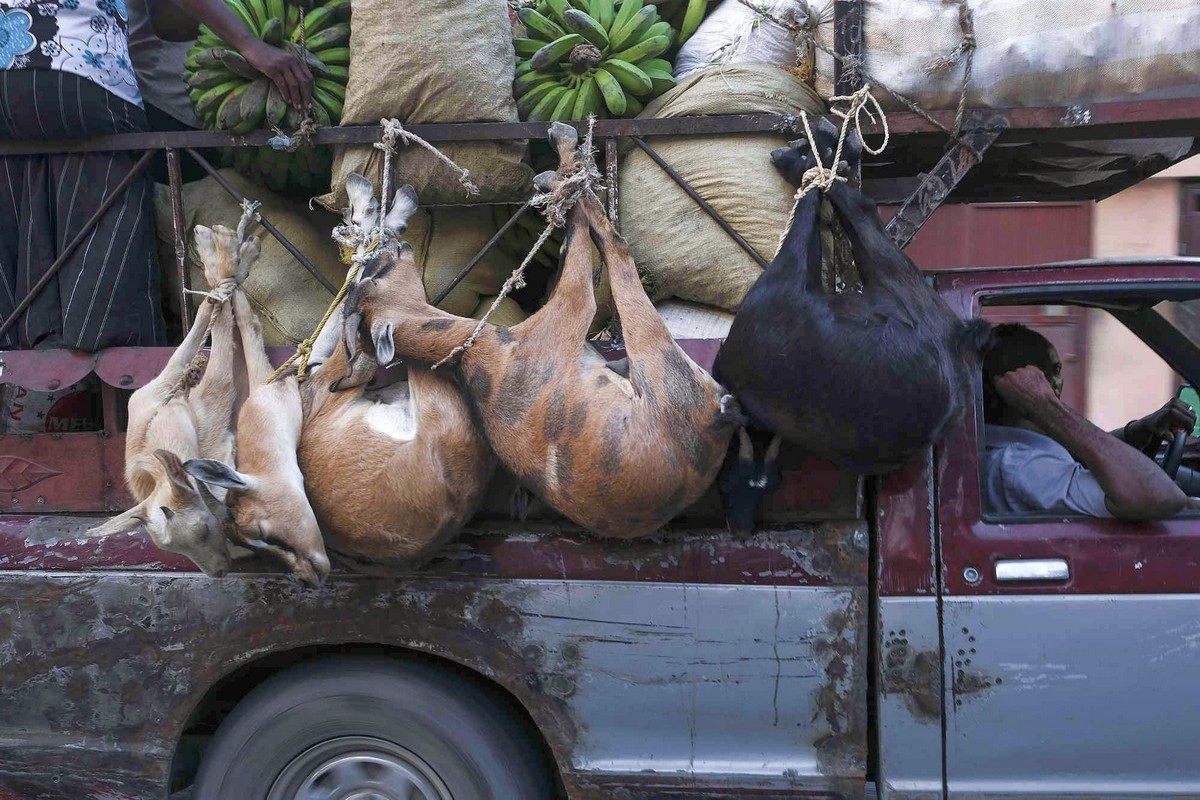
1056, 460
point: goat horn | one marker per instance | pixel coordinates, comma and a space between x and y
745, 446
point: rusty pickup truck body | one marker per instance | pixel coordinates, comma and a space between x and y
871, 637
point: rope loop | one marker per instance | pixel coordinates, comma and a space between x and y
393, 130
821, 176
573, 182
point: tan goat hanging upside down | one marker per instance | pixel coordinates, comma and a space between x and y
391, 474
176, 417
618, 455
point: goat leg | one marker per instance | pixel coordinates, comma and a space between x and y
644, 331
254, 351
181, 360
215, 396
569, 311
873, 249
799, 259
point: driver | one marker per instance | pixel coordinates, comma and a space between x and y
1042, 456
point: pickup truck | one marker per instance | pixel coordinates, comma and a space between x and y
883, 637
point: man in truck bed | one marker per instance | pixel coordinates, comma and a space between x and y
1043, 456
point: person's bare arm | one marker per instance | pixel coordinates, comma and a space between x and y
1135, 488
286, 70
1176, 415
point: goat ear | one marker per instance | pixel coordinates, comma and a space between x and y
351, 322
214, 506
125, 522
364, 208
181, 484
976, 336
385, 347
217, 473
403, 207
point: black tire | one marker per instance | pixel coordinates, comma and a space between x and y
470, 743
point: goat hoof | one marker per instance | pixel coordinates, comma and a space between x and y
545, 181
563, 138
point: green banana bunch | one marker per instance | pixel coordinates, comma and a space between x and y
597, 57
229, 94
685, 16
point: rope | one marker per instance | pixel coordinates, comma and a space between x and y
304, 349
356, 243
573, 183
393, 129
820, 176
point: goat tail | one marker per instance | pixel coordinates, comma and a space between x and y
974, 336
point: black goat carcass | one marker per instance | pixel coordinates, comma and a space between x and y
867, 379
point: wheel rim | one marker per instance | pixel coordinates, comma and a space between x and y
358, 768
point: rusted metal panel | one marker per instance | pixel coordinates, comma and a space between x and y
715, 684
909, 677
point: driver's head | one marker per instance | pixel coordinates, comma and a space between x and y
1013, 346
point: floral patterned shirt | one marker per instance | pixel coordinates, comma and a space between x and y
87, 37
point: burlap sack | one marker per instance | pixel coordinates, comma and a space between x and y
433, 61
1030, 52
680, 251
289, 300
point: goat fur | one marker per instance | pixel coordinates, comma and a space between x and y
867, 379
171, 420
618, 455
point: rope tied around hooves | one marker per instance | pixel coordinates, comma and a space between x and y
572, 182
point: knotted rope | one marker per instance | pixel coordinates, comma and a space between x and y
357, 243
573, 182
392, 128
823, 177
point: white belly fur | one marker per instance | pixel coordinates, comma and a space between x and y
392, 412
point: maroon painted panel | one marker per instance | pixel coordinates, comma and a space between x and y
904, 529
998, 234
820, 554
1104, 556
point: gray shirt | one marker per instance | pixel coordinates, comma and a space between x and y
159, 66
1026, 472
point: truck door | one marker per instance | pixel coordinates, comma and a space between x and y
1069, 643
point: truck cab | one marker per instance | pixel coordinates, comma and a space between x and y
884, 636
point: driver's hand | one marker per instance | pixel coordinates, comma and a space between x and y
1176, 415
1026, 389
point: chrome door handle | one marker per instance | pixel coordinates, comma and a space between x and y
1032, 569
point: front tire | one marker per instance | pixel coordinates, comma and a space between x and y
395, 728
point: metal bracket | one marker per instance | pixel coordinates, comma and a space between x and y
980, 130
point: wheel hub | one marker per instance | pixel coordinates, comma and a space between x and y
358, 768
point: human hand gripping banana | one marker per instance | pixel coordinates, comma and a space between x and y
285, 69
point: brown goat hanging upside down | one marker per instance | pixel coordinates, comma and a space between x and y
866, 379
620, 456
384, 475
176, 417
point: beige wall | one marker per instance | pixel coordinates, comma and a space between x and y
1126, 379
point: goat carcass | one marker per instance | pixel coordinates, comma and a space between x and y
174, 418
866, 379
618, 455
388, 475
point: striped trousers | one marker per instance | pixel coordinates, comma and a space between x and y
107, 293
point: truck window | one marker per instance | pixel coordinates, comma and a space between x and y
1105, 372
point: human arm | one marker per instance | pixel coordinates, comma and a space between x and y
1176, 415
286, 70
1135, 488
